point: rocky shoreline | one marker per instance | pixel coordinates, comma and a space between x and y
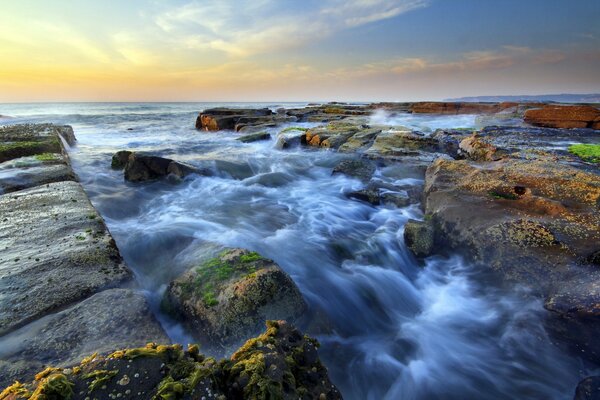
511, 199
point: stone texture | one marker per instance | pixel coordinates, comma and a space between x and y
55, 250
419, 237
554, 116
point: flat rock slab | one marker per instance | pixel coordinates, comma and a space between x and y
26, 172
31, 139
109, 320
54, 250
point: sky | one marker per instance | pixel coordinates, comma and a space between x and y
295, 50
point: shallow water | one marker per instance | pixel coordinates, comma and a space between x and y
397, 330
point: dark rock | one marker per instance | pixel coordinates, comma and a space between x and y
254, 137
27, 172
56, 250
588, 389
119, 159
228, 298
361, 169
370, 196
290, 137
419, 237
216, 119
142, 167
279, 364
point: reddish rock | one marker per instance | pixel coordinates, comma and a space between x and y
553, 116
459, 107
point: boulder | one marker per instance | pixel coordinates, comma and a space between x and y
331, 136
144, 167
290, 137
227, 299
55, 250
367, 195
255, 137
361, 169
119, 159
419, 237
111, 319
279, 364
554, 116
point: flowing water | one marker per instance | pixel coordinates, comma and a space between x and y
395, 329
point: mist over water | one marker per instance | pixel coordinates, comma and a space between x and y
389, 327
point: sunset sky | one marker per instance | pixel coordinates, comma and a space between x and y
269, 50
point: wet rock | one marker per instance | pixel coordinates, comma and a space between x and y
401, 142
459, 107
29, 140
588, 389
235, 170
290, 137
217, 119
55, 250
331, 136
119, 159
108, 320
555, 116
26, 172
279, 364
361, 140
227, 299
254, 137
449, 140
143, 167
361, 169
368, 195
419, 237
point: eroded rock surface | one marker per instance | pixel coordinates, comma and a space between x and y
560, 116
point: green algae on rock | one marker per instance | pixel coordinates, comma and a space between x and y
587, 152
227, 298
281, 363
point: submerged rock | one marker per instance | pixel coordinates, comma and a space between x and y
228, 298
254, 137
419, 237
588, 389
279, 364
361, 169
25, 172
555, 116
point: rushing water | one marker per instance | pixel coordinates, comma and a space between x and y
389, 328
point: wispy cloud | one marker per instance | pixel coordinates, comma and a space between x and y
246, 29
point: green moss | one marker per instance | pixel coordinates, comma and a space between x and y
100, 377
166, 352
250, 257
15, 391
47, 157
209, 299
587, 152
294, 128
334, 110
92, 216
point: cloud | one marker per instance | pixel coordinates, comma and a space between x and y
243, 29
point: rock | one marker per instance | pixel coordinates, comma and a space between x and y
25, 172
114, 318
588, 389
290, 137
331, 136
28, 140
279, 364
532, 221
554, 116
459, 107
143, 167
403, 142
370, 196
120, 158
361, 140
361, 169
254, 137
235, 170
216, 119
419, 237
476, 149
228, 298
449, 140
55, 250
